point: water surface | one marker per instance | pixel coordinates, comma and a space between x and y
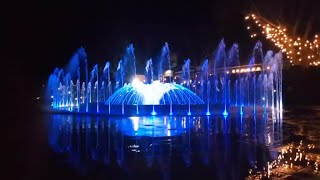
163, 147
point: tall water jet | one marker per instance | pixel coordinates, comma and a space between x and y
275, 66
233, 61
94, 73
164, 62
279, 82
129, 64
257, 57
83, 56
78, 95
61, 89
220, 67
186, 77
52, 86
233, 56
257, 54
83, 93
186, 72
73, 68
236, 92
120, 75
103, 92
266, 61
149, 71
205, 78
89, 92
71, 95
67, 91
106, 72
149, 80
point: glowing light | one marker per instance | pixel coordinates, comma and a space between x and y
225, 113
135, 122
241, 111
150, 94
288, 44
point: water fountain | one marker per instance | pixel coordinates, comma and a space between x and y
205, 78
186, 79
94, 73
164, 62
106, 72
221, 86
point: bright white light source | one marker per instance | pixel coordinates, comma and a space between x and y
135, 122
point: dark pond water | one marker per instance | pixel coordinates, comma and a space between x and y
60, 146
162, 147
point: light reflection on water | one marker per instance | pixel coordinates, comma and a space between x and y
218, 147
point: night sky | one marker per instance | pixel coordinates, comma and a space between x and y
41, 35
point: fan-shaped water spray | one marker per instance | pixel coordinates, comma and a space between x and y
156, 93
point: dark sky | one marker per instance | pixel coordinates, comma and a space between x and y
45, 34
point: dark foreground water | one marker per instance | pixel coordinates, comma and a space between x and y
233, 147
162, 147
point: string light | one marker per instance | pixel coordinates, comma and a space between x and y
298, 50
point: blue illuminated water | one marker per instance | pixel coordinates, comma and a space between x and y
163, 147
156, 93
220, 83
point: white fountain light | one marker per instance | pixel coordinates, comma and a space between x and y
156, 93
152, 93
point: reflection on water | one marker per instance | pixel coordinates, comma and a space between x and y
165, 147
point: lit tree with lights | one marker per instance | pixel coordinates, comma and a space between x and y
297, 50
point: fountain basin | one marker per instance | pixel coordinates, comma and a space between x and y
177, 110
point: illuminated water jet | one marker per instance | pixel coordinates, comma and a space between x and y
218, 86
